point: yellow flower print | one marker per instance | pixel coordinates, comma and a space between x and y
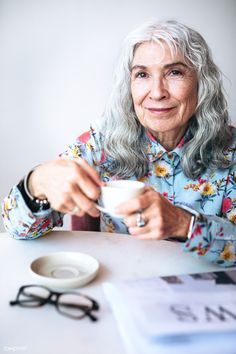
206, 188
162, 170
110, 227
105, 176
9, 203
89, 147
192, 186
228, 254
75, 151
201, 251
232, 216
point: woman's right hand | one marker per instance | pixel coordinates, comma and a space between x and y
67, 184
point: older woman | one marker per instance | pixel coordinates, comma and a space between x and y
166, 124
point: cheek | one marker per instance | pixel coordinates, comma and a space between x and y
139, 92
192, 100
188, 98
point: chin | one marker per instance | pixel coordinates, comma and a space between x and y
161, 128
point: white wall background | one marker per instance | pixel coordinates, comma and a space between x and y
57, 60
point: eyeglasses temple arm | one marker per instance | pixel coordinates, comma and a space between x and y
14, 302
91, 316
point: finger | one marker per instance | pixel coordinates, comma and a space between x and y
148, 189
131, 220
153, 228
132, 206
87, 185
140, 202
71, 210
84, 203
94, 175
136, 231
71, 197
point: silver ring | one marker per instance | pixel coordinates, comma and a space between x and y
140, 222
74, 210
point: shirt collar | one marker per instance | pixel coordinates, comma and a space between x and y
156, 151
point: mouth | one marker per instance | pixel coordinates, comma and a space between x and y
160, 110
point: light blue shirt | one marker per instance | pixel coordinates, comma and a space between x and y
213, 195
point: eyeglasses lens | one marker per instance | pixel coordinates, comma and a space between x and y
74, 305
33, 296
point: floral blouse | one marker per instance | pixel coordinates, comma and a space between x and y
213, 195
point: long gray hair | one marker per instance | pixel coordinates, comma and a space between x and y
124, 138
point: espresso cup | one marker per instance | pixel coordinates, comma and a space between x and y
118, 192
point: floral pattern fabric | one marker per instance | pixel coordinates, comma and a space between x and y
213, 195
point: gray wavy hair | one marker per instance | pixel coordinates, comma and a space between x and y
124, 138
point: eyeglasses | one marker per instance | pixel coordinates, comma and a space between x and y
71, 304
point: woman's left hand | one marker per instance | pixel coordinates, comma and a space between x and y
162, 219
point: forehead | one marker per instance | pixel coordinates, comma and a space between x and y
151, 53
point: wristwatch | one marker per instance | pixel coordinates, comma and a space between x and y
35, 204
196, 216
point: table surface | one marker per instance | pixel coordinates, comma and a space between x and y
43, 330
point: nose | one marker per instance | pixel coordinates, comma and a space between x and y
158, 89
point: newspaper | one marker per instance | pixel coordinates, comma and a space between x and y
189, 313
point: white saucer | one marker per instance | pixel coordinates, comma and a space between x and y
107, 211
64, 269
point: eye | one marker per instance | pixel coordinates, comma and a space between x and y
175, 72
141, 75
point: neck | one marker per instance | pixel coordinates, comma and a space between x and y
169, 140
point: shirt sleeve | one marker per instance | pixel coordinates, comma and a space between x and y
214, 237
20, 221
88, 146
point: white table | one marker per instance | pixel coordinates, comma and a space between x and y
43, 330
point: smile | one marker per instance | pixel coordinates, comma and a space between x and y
159, 110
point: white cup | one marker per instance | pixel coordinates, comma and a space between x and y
118, 192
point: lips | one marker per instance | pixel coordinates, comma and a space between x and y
160, 110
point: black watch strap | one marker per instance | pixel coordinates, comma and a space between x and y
34, 204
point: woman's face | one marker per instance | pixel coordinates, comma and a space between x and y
163, 88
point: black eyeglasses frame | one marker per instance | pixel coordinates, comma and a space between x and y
38, 301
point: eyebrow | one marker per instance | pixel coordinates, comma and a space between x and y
166, 66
